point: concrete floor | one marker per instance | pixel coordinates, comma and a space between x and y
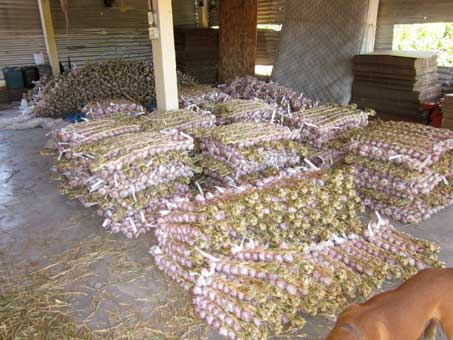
120, 284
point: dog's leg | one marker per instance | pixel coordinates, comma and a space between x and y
431, 330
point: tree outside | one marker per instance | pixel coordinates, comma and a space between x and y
436, 37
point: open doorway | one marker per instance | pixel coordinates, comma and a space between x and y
437, 37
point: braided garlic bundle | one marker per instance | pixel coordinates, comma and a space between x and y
403, 169
321, 125
183, 120
69, 92
194, 96
110, 107
246, 111
92, 131
256, 255
130, 177
249, 148
283, 99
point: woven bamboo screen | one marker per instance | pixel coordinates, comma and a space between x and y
319, 39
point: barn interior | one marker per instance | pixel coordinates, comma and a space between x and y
218, 169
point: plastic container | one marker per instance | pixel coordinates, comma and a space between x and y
45, 71
14, 78
38, 58
150, 107
31, 74
74, 117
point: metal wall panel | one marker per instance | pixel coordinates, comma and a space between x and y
185, 12
269, 12
94, 32
20, 33
319, 39
267, 46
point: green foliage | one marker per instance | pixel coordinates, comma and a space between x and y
437, 37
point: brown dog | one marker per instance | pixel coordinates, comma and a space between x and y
403, 313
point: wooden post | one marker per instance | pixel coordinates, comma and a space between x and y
164, 57
370, 35
203, 13
237, 38
49, 35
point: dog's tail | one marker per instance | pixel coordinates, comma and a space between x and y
431, 330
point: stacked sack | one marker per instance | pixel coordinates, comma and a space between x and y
328, 129
256, 255
403, 169
110, 107
233, 152
129, 175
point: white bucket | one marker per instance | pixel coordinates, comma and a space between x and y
38, 58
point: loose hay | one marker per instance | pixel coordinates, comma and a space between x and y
40, 303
